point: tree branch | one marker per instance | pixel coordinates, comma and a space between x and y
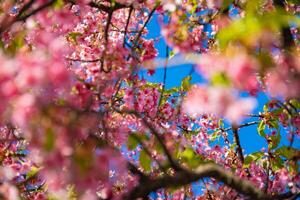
238, 143
109, 18
287, 37
107, 9
127, 24
33, 12
164, 79
241, 126
185, 177
21, 17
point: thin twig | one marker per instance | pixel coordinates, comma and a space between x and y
109, 18
127, 24
237, 141
164, 79
80, 60
240, 126
108, 9
208, 192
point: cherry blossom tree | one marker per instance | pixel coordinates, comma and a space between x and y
78, 121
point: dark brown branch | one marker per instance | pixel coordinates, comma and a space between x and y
287, 37
292, 106
127, 24
35, 11
22, 17
80, 60
255, 115
109, 18
248, 124
25, 8
108, 9
133, 169
238, 143
100, 6
288, 195
241, 126
185, 177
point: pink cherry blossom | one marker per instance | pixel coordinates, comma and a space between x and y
218, 101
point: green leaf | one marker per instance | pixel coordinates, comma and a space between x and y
295, 103
287, 152
220, 79
194, 6
145, 161
52, 197
276, 163
150, 85
73, 37
266, 108
233, 146
58, 4
196, 161
188, 153
252, 158
49, 139
171, 54
276, 112
171, 90
61, 102
225, 4
185, 83
261, 128
273, 124
132, 141
71, 192
16, 43
220, 123
33, 172
275, 140
215, 135
1, 44
297, 2
266, 61
244, 30
190, 157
